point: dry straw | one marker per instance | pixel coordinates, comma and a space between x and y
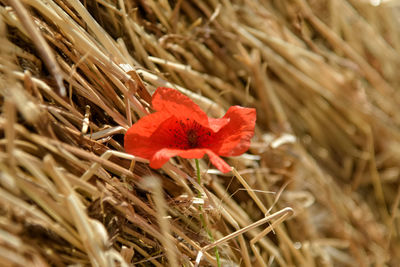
318, 187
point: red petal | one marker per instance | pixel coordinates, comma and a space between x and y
217, 124
219, 162
138, 141
234, 138
172, 101
163, 155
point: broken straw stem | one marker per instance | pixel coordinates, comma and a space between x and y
282, 213
40, 43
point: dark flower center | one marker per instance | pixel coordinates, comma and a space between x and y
189, 134
192, 138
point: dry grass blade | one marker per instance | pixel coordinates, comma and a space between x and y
40, 44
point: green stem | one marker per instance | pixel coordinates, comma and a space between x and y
203, 221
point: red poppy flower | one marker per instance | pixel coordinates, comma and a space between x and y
180, 128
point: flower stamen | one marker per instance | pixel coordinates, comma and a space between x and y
192, 138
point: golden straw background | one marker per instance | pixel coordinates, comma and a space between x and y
318, 187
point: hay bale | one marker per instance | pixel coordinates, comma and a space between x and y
318, 187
